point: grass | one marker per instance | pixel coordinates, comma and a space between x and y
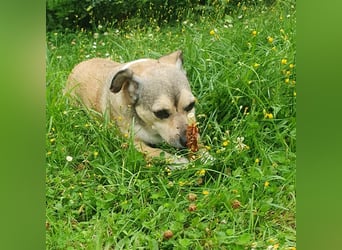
102, 194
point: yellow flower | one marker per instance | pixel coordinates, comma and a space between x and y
291, 66
266, 184
254, 33
287, 80
52, 140
256, 65
181, 183
283, 61
96, 153
292, 248
212, 32
269, 115
271, 240
294, 93
225, 143
270, 39
201, 172
205, 192
257, 160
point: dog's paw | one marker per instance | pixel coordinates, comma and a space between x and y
206, 157
177, 162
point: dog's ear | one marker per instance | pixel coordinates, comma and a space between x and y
125, 80
175, 58
119, 79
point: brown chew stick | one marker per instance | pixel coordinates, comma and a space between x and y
192, 134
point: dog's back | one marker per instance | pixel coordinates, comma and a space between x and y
87, 81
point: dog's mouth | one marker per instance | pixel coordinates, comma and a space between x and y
183, 140
159, 132
181, 144
179, 141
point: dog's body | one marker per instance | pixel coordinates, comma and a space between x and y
152, 95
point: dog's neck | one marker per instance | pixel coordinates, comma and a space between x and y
145, 133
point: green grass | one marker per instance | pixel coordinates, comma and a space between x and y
109, 197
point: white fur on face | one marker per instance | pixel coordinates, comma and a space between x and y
170, 129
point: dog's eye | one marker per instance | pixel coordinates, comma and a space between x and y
189, 107
162, 114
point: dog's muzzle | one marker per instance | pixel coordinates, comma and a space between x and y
183, 140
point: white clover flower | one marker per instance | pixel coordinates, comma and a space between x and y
240, 145
69, 158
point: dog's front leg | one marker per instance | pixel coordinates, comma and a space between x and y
151, 153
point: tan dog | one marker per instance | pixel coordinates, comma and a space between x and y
151, 96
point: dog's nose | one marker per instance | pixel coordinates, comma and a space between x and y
183, 140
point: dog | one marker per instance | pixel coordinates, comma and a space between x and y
152, 97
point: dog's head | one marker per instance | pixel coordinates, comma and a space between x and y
160, 94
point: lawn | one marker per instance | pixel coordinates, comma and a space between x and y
102, 194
